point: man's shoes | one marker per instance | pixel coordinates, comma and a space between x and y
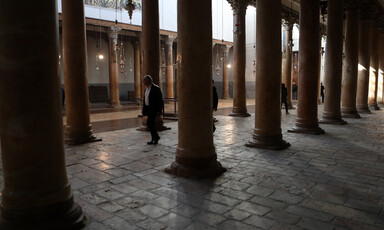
154, 142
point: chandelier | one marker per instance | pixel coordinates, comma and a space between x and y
130, 7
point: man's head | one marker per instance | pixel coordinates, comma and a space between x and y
147, 80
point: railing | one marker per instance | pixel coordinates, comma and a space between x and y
114, 4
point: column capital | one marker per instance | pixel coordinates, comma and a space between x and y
352, 4
113, 32
169, 40
287, 24
239, 6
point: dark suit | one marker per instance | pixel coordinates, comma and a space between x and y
156, 106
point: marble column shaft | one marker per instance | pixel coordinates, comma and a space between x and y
287, 62
351, 61
333, 64
169, 58
239, 90
114, 92
306, 121
381, 71
78, 129
137, 69
36, 193
374, 69
150, 43
365, 38
267, 132
195, 155
226, 73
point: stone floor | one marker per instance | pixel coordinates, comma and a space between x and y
331, 181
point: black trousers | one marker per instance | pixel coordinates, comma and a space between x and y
285, 105
151, 123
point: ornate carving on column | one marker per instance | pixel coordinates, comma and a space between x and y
333, 64
169, 58
287, 60
113, 34
239, 90
195, 156
226, 68
36, 192
351, 60
306, 121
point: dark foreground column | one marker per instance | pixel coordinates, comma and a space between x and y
306, 121
196, 155
239, 90
333, 64
374, 69
267, 132
349, 81
36, 192
365, 39
79, 128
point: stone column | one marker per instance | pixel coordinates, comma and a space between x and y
196, 155
381, 71
374, 69
137, 79
114, 93
287, 61
351, 61
226, 73
169, 53
306, 121
151, 40
267, 132
365, 38
333, 64
239, 91
79, 128
36, 192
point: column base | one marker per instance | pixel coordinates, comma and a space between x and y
115, 105
332, 121
199, 168
364, 111
239, 113
374, 107
349, 113
268, 142
74, 136
307, 130
62, 216
159, 124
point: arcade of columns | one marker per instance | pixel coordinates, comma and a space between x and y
31, 127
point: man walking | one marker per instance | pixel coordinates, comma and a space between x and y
153, 105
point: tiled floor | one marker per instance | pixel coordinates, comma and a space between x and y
331, 181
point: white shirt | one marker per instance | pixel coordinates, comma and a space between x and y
147, 91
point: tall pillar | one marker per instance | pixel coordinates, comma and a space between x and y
169, 53
287, 61
195, 155
151, 40
226, 73
267, 132
374, 69
365, 38
351, 61
306, 121
36, 192
333, 64
79, 128
114, 93
239, 91
137, 79
381, 71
